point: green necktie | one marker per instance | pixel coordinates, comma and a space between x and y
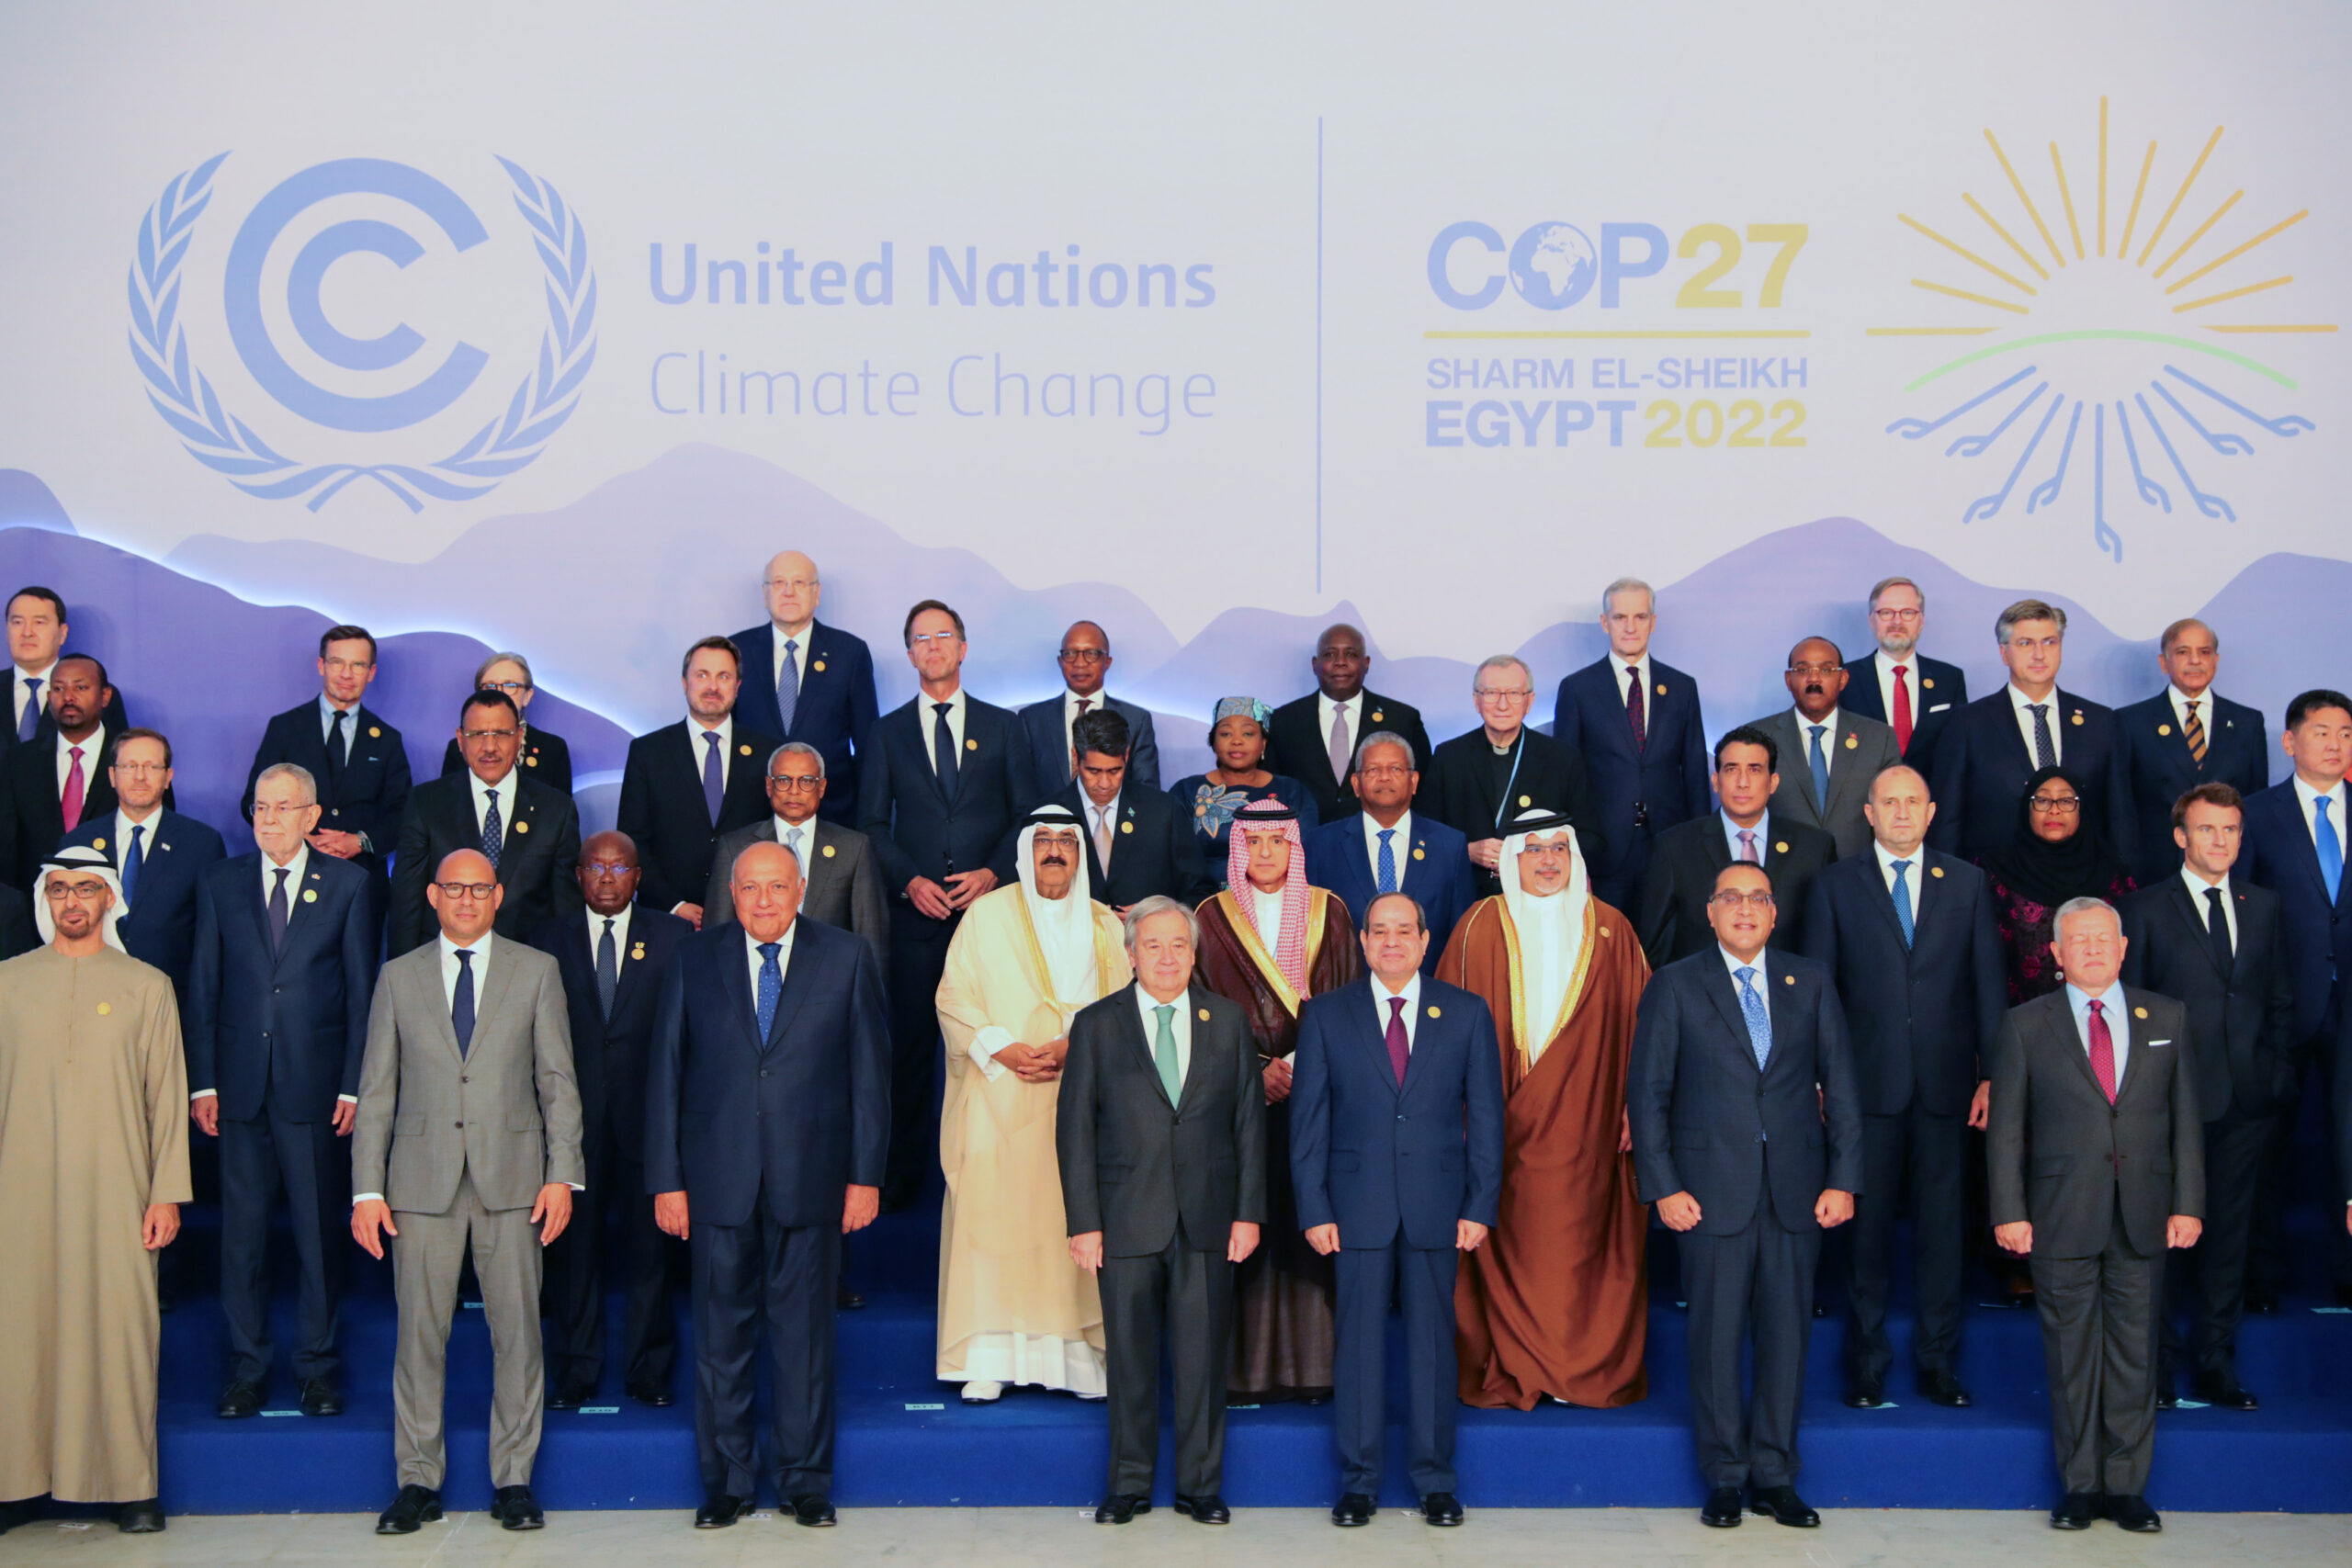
1163, 1052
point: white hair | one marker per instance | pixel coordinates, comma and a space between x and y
1160, 904
303, 782
1626, 585
2073, 907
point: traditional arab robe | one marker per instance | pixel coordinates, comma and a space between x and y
1013, 1308
1269, 952
1555, 1303
92, 1130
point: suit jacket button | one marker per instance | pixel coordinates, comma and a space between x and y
1400, 1116
463, 1078
764, 1072
461, 1126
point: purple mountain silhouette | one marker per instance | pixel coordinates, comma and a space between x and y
26, 502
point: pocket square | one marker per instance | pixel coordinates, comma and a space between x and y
1939, 708
2153, 1044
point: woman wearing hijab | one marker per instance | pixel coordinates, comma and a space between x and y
2056, 852
1237, 740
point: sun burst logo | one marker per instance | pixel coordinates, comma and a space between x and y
2124, 342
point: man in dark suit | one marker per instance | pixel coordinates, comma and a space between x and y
281, 972
2093, 1083
1637, 725
947, 776
1486, 778
357, 760
1832, 754
767, 1119
59, 780
2212, 943
529, 833
1689, 856
1995, 744
612, 963
2186, 735
1397, 1156
1910, 939
158, 854
1312, 739
1390, 848
1912, 695
36, 632
2295, 839
804, 680
688, 784
841, 879
1161, 1135
1085, 659
1137, 845
1741, 1070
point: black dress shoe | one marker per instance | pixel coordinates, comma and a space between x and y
1944, 1388
657, 1396
320, 1397
571, 1394
1442, 1508
1722, 1509
140, 1519
1866, 1396
415, 1505
2077, 1511
1203, 1508
15, 1514
1352, 1508
2131, 1512
847, 1300
1785, 1507
811, 1509
721, 1509
1120, 1506
238, 1401
516, 1509
2223, 1394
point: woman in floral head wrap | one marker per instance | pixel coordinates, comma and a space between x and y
1237, 740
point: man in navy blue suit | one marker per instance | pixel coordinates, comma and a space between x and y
1388, 847
37, 633
157, 853
767, 1122
946, 778
1636, 723
356, 759
2295, 839
689, 784
1741, 1073
1397, 1156
1911, 944
1917, 696
1085, 659
1996, 743
2186, 735
279, 985
1137, 845
804, 680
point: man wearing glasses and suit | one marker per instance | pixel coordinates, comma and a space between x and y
1085, 659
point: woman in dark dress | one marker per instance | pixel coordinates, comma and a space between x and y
545, 759
2057, 852
1237, 740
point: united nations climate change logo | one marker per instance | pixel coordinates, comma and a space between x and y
265, 298
2122, 335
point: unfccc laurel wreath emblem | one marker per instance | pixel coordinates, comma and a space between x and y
229, 445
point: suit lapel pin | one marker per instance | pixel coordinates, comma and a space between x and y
310, 896
97, 843
531, 761
1523, 800
819, 666
637, 952
1781, 847
1377, 716
1935, 871
2164, 729
1205, 1015
105, 1008
1606, 931
1419, 854
1661, 688
828, 852
1788, 979
2139, 1012
1929, 682
1433, 1012
969, 746
746, 751
2078, 716
522, 827
163, 846
1126, 827
375, 733
1853, 743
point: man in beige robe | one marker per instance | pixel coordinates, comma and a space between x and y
93, 1170
1013, 1307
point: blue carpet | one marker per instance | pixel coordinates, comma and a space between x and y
905, 1440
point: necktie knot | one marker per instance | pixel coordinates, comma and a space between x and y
1397, 1007
465, 954
768, 949
1748, 845
942, 709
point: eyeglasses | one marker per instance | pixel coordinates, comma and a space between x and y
470, 735
271, 811
60, 891
2063, 806
1897, 614
1815, 669
1488, 693
603, 869
1730, 899
793, 783
476, 891
349, 666
509, 688
792, 584
1383, 771
1084, 656
938, 638
1547, 852
140, 770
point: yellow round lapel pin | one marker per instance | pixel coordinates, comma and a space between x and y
1935, 871
1661, 688
1377, 718
2078, 716
522, 827
1205, 1015
1929, 682
969, 746
828, 852
1523, 800
310, 896
2139, 1012
1853, 743
1433, 1012
819, 667
97, 843
1781, 847
1421, 855
1126, 827
2164, 729
1788, 979
636, 951
105, 1008
532, 762
746, 751
374, 733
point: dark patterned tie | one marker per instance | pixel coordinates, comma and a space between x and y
787, 685
462, 1001
493, 832
609, 968
2045, 748
2194, 728
1387, 876
1635, 713
2102, 1051
1400, 1048
771, 987
134, 861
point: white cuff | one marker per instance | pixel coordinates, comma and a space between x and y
203, 1094
576, 1186
347, 1100
991, 1039
359, 1198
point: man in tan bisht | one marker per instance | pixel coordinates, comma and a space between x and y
93, 1170
1013, 1307
1269, 941
1556, 1307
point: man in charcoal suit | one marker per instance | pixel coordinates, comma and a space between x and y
2186, 735
357, 759
1137, 845
1830, 755
841, 880
688, 784
804, 680
1689, 856
1314, 738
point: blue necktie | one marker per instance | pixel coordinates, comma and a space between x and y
1903, 900
2331, 848
1387, 861
2045, 748
943, 749
771, 987
462, 1001
493, 832
1820, 765
714, 776
1759, 1018
787, 685
134, 859
32, 720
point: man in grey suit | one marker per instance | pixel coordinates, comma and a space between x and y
1828, 755
842, 887
459, 1164
1085, 659
2095, 1085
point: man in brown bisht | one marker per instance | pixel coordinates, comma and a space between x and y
1269, 943
1556, 1305
93, 1170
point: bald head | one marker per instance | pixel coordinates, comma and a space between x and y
1341, 661
608, 871
792, 590
1817, 677
766, 883
1899, 810
465, 895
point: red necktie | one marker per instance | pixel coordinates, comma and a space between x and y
69, 805
1397, 1055
1633, 713
2102, 1051
1902, 711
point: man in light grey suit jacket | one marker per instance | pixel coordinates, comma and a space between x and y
843, 886
1829, 793
437, 1161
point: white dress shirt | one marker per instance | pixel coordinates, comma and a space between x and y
2023, 706
93, 747
1802, 761
24, 691
2305, 795
931, 719
2197, 886
808, 831
800, 654
1327, 711
1400, 844
147, 825
1632, 671
1412, 995
1098, 815
725, 730
1911, 876
1098, 703
620, 936
505, 792
1180, 1024
2118, 1023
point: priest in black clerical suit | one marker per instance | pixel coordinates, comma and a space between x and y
1479, 780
